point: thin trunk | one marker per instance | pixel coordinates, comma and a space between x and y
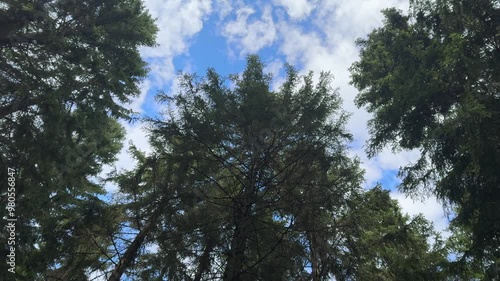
236, 256
315, 258
242, 223
132, 250
204, 264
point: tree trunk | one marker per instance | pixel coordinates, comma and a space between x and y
132, 250
204, 264
315, 258
242, 223
236, 256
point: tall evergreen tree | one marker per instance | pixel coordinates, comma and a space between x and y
384, 244
431, 78
264, 154
253, 184
67, 68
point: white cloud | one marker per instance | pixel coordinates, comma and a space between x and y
136, 103
352, 18
178, 22
386, 160
250, 35
330, 46
223, 7
430, 207
162, 71
275, 67
391, 161
297, 45
297, 9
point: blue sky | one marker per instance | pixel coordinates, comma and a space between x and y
316, 35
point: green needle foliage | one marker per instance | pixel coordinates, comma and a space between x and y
431, 79
246, 183
275, 165
386, 245
66, 69
243, 183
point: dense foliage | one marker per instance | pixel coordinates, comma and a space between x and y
243, 182
431, 78
249, 184
66, 68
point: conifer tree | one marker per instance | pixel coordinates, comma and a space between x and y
431, 79
67, 69
255, 184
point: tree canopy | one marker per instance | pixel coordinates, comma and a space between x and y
431, 79
246, 183
67, 68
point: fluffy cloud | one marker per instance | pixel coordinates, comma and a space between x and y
330, 46
223, 7
430, 207
250, 35
297, 9
350, 19
178, 21
386, 160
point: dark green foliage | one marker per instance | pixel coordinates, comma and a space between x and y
242, 184
386, 245
260, 155
250, 184
431, 79
66, 68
